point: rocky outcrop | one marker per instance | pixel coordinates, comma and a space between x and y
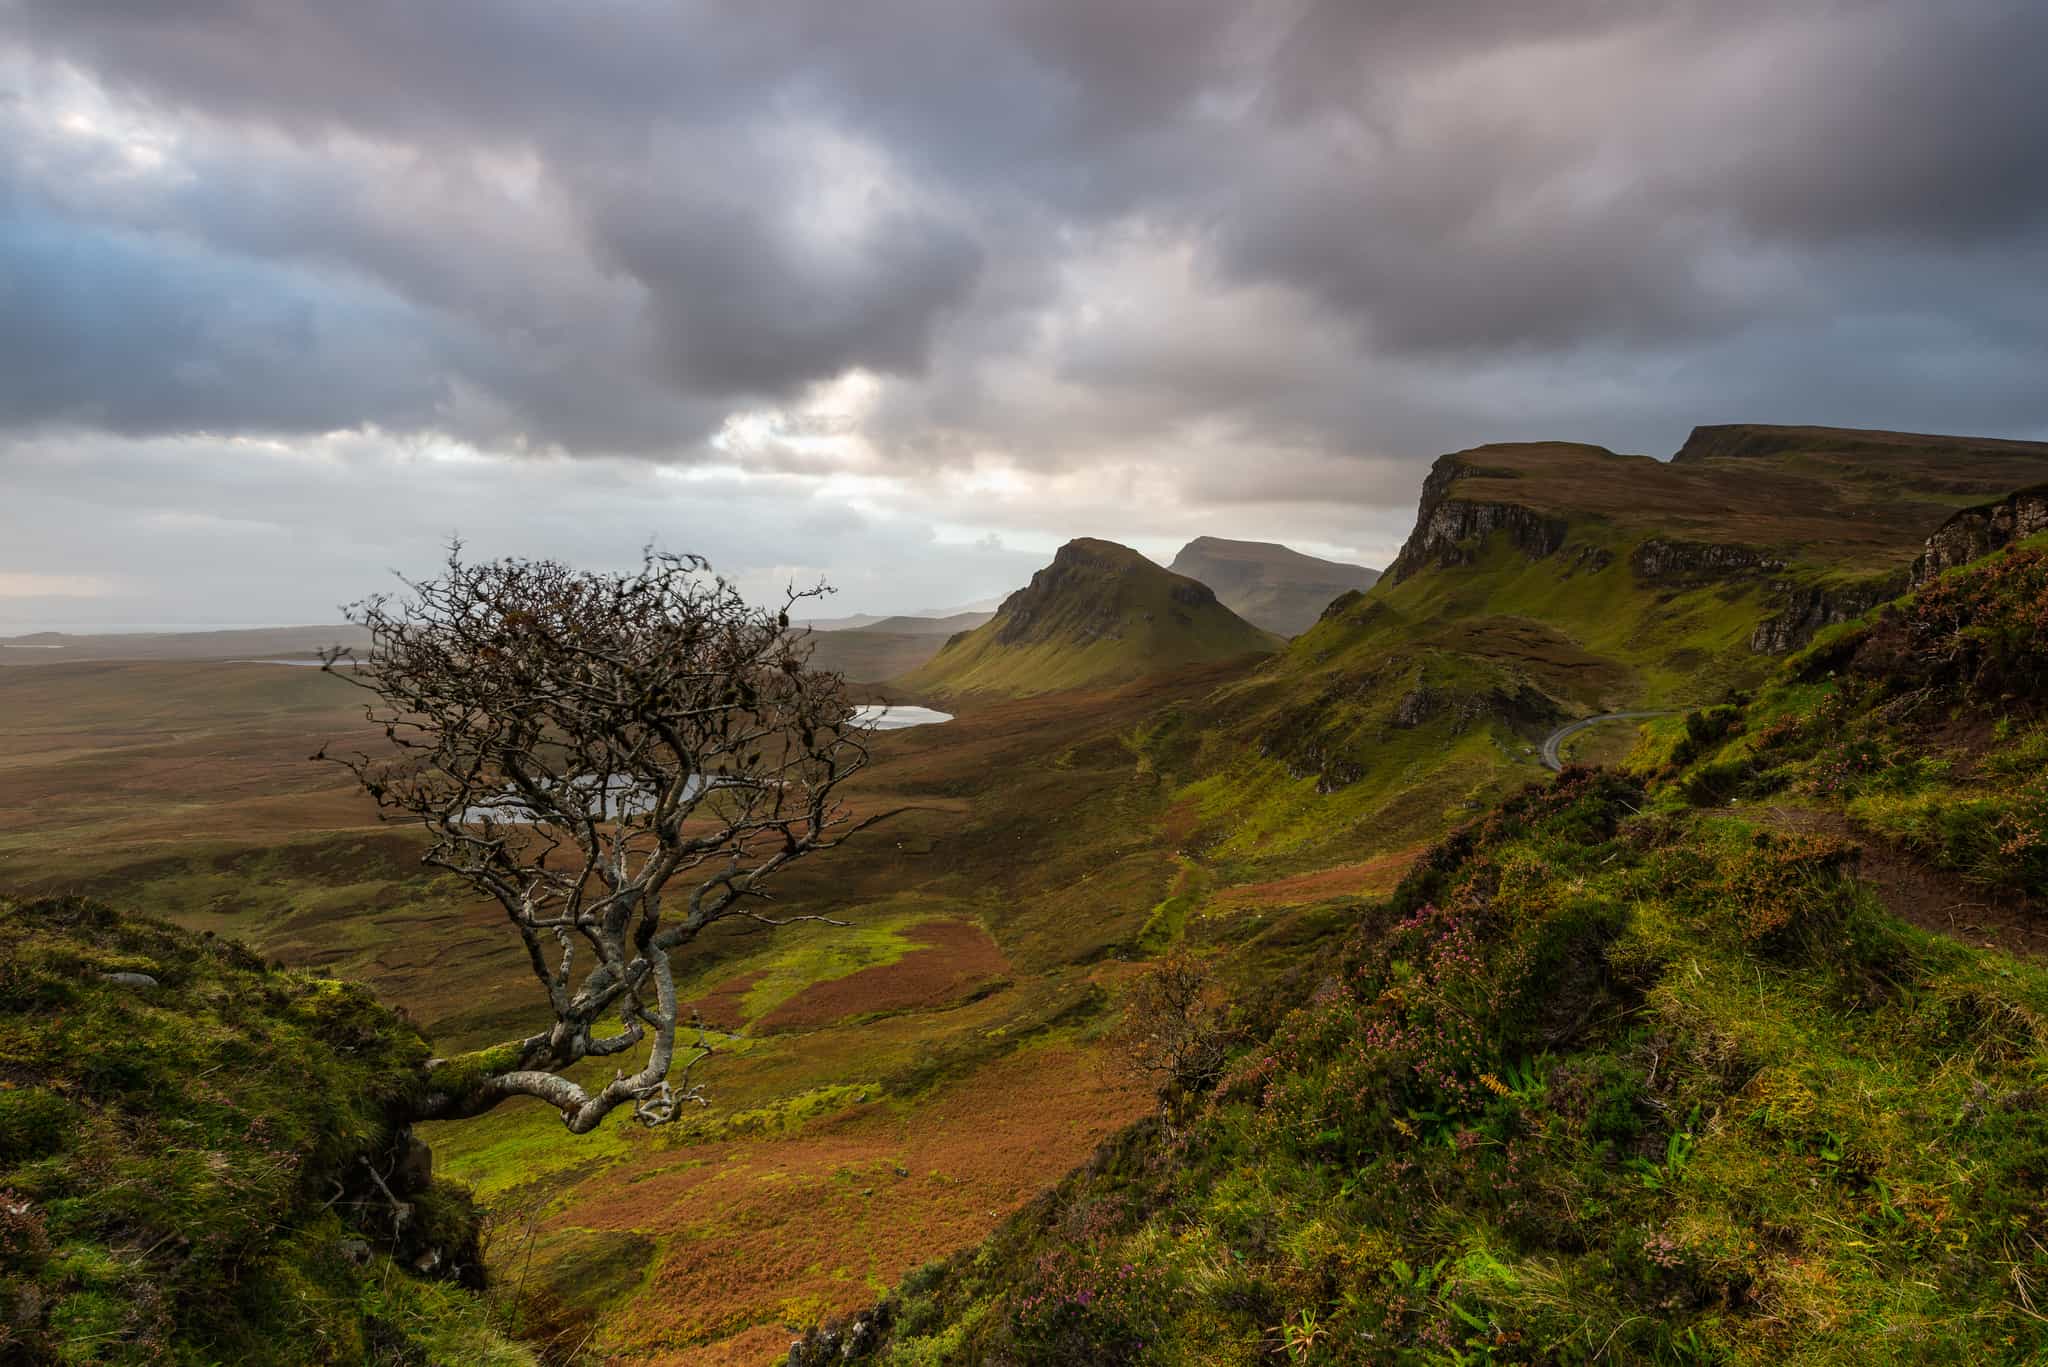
1341, 604
1968, 535
1316, 739
1977, 532
1806, 609
1663, 561
1447, 528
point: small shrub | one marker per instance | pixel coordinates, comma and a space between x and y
1173, 1033
1083, 1308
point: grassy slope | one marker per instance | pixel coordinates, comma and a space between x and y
840, 1152
1100, 614
1624, 1071
167, 1155
1315, 754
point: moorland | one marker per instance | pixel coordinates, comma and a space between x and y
1526, 1069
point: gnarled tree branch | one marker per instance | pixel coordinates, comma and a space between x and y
619, 761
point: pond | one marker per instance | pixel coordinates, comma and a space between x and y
897, 716
621, 797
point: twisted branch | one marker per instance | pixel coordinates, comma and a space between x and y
576, 743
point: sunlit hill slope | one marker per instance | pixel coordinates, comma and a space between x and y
1100, 613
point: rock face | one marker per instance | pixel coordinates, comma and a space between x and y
1967, 536
1445, 524
1807, 609
1662, 561
1270, 585
1978, 531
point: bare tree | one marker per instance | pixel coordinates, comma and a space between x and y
619, 761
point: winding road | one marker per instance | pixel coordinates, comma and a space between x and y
1553, 760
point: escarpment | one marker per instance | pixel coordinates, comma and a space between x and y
1977, 532
1810, 526
1446, 526
1661, 560
1808, 609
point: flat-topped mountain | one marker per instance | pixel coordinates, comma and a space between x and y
1099, 613
1267, 584
1847, 500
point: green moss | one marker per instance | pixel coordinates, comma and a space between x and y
1167, 922
170, 1154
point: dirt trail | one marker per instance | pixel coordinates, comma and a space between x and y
1929, 898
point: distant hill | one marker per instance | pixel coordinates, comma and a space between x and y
1099, 613
850, 622
1267, 584
951, 625
881, 648
52, 647
865, 655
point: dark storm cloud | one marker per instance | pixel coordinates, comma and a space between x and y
105, 331
1191, 232
749, 294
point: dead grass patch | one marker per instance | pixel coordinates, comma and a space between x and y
958, 958
1369, 878
821, 1222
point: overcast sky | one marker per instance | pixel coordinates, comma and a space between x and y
907, 292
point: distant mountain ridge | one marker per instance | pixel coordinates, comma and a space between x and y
928, 626
1099, 613
205, 643
1270, 585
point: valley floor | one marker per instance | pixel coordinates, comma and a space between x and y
896, 1089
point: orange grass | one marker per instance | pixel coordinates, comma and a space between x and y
773, 1233
958, 958
1369, 878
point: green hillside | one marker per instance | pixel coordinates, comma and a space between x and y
1736, 1057
185, 1161
1547, 581
1099, 614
